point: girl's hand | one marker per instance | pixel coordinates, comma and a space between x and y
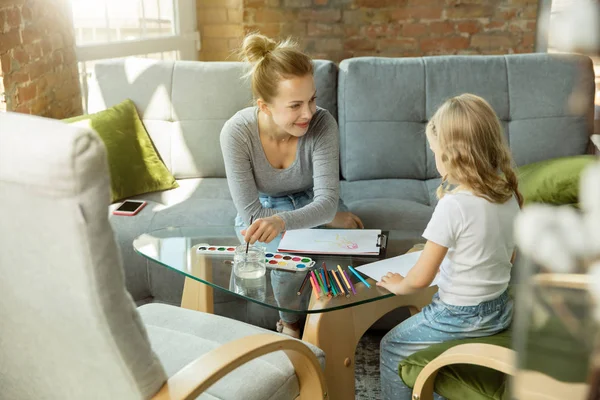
264, 230
345, 220
392, 282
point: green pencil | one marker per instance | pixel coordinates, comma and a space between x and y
332, 282
320, 281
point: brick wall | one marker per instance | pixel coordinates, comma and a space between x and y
37, 54
338, 29
221, 28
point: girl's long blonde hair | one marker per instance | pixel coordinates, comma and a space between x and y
272, 62
473, 149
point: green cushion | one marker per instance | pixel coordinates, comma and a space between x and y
460, 381
135, 166
553, 181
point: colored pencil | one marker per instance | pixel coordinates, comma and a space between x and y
349, 282
313, 276
358, 276
314, 287
320, 281
343, 280
342, 291
343, 277
324, 279
332, 283
322, 275
343, 283
326, 276
303, 283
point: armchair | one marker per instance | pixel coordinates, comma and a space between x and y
70, 330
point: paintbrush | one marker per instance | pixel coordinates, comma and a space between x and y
248, 242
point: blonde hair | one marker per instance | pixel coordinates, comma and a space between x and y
473, 149
272, 62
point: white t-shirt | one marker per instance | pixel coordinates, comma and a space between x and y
479, 238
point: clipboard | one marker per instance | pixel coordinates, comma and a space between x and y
382, 243
343, 242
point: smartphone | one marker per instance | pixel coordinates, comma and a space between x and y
130, 207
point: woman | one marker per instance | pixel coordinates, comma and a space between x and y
282, 158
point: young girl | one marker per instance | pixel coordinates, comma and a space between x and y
472, 226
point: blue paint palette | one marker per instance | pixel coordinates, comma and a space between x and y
272, 260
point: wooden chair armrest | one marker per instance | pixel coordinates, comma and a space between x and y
200, 374
533, 385
485, 355
564, 281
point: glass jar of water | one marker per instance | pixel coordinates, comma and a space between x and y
250, 264
255, 288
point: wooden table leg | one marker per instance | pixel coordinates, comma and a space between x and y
338, 332
197, 295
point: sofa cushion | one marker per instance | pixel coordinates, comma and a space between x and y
419, 191
135, 166
195, 212
540, 88
179, 336
404, 205
326, 75
406, 216
554, 181
190, 189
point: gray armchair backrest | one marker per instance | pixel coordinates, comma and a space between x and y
68, 327
385, 103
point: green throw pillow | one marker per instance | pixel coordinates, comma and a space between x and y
553, 181
135, 166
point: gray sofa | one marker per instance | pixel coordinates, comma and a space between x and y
388, 174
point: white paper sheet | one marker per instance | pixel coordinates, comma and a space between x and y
401, 265
331, 241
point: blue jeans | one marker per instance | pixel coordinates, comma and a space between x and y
285, 284
438, 322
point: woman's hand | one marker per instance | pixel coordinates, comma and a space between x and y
345, 220
392, 282
264, 230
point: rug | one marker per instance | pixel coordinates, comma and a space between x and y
367, 366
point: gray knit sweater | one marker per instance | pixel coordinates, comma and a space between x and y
316, 167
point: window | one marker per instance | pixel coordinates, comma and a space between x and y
161, 29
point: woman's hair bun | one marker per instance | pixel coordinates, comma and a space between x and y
256, 46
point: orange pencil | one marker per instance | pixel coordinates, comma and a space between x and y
314, 286
338, 281
344, 277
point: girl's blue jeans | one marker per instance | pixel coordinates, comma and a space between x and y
285, 284
437, 322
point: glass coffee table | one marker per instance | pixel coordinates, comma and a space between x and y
334, 324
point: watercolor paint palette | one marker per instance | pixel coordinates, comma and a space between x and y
272, 260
